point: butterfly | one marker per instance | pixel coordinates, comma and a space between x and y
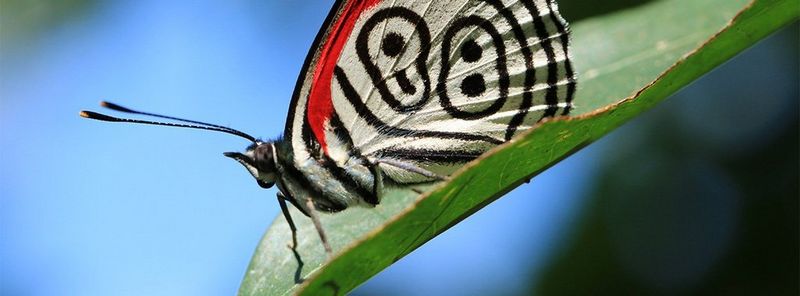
394, 93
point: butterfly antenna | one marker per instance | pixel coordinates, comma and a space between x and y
119, 108
103, 117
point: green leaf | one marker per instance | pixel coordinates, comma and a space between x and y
627, 62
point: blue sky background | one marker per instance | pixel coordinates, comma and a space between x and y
91, 208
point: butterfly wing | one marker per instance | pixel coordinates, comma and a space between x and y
431, 83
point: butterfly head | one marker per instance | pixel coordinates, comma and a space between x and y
259, 159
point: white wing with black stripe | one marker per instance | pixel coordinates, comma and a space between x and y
436, 83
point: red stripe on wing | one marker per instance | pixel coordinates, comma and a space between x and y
320, 104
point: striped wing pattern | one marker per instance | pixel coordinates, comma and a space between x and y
429, 83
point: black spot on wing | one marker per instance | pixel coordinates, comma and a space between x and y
392, 44
473, 85
470, 51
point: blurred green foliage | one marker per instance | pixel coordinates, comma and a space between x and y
701, 195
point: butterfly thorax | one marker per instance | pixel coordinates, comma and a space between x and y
332, 184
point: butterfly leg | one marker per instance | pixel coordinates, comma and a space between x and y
411, 168
312, 212
285, 210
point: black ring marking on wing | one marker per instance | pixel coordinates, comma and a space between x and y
392, 44
354, 98
500, 66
